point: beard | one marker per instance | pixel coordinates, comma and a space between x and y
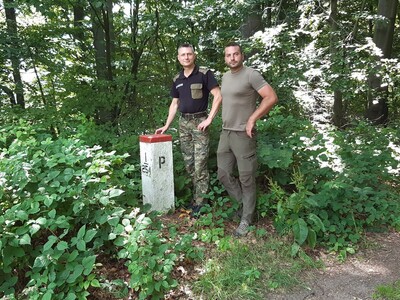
235, 64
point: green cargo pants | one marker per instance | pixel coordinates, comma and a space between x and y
235, 148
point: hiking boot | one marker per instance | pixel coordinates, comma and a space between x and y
196, 208
242, 229
237, 215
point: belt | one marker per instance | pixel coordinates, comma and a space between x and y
188, 116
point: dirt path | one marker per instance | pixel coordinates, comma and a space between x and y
357, 278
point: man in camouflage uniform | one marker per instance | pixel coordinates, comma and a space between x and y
190, 92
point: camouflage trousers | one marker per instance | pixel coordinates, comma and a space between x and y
195, 147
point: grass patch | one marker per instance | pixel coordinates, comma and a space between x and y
243, 269
388, 292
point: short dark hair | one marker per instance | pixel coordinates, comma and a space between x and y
186, 45
234, 44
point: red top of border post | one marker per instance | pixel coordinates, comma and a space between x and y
155, 138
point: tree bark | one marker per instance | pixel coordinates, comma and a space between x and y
12, 30
137, 48
383, 38
268, 18
99, 44
338, 114
253, 21
109, 37
79, 17
103, 41
9, 92
384, 31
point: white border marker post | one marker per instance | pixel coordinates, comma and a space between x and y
157, 171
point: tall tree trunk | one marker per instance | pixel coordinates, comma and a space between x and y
377, 110
108, 22
12, 31
137, 49
338, 114
103, 41
268, 18
139, 42
99, 44
79, 17
384, 31
253, 21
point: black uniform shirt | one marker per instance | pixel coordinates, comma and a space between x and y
193, 91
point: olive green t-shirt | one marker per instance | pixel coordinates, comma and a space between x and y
239, 97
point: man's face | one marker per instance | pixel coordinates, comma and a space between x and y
233, 57
186, 56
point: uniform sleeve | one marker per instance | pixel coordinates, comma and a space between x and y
257, 81
174, 92
211, 81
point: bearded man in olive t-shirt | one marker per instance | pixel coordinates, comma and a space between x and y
241, 88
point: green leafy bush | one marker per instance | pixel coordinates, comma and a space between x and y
61, 201
63, 204
152, 256
328, 190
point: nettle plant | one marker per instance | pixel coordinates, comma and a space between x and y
62, 205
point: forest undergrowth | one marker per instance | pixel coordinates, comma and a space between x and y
71, 211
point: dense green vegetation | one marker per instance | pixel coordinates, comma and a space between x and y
70, 182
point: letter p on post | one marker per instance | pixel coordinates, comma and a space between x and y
156, 163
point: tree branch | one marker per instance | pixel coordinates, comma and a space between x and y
9, 92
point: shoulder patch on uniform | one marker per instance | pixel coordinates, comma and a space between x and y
176, 77
203, 70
